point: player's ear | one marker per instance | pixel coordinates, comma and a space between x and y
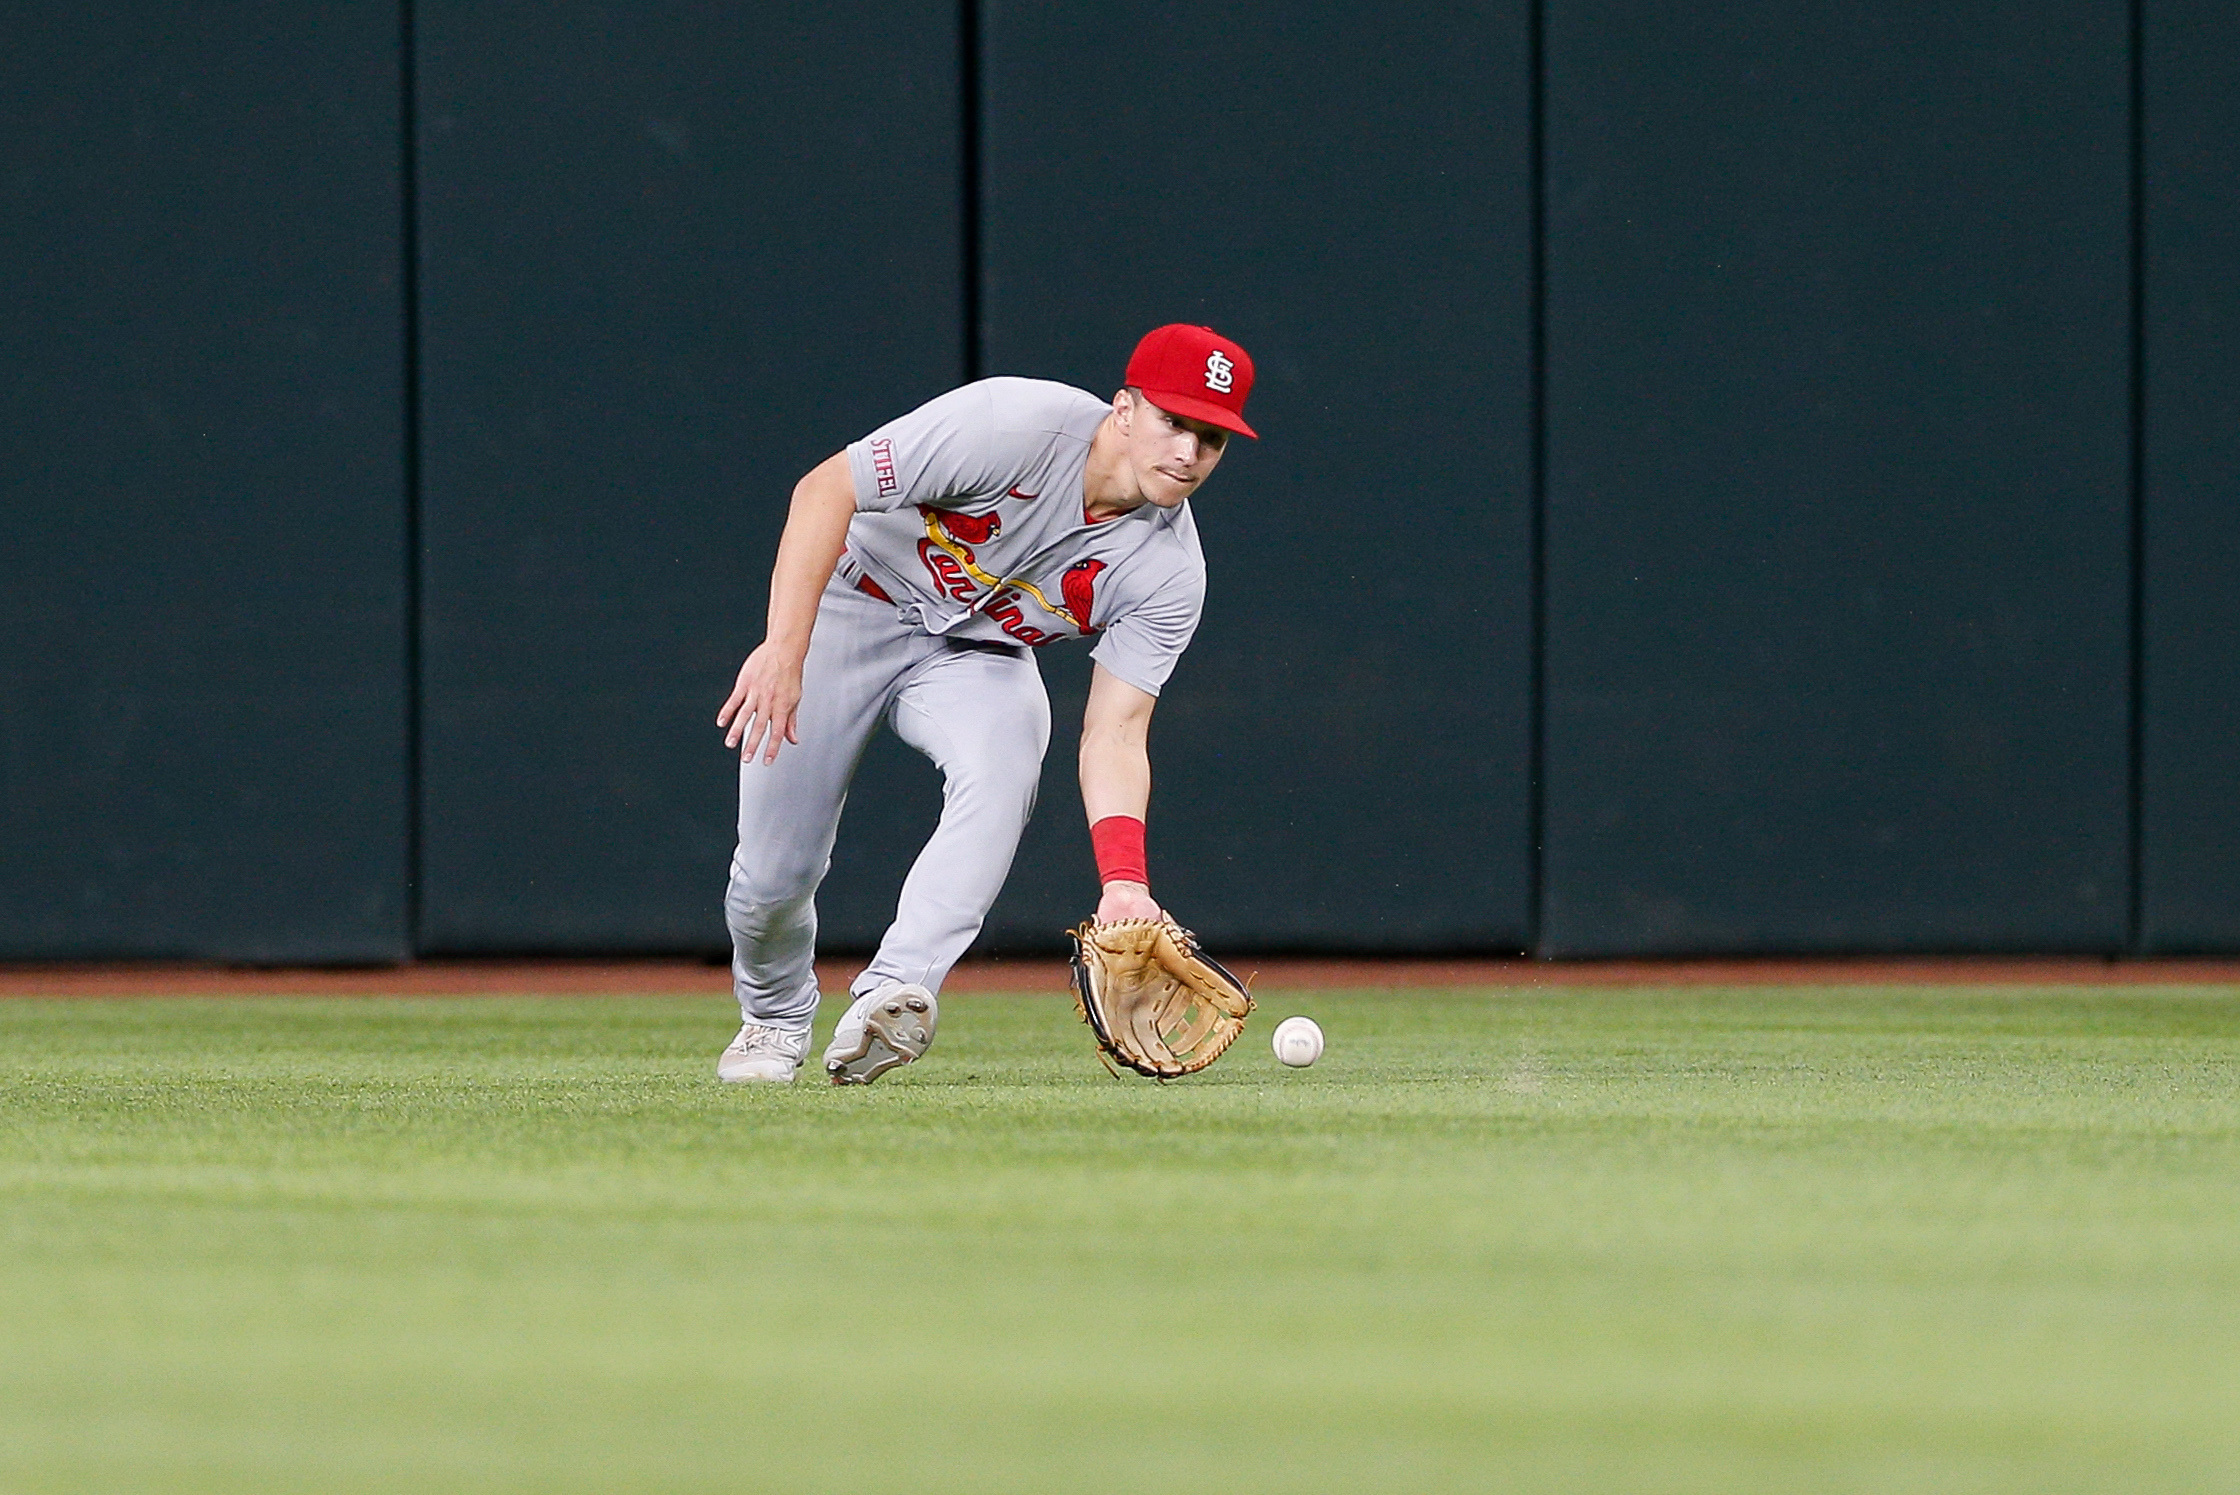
1123, 407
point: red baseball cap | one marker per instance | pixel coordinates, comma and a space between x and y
1195, 372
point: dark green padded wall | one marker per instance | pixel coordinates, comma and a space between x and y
671, 257
2190, 822
1838, 492
203, 742
1342, 759
1838, 434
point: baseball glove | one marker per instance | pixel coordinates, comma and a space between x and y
1153, 999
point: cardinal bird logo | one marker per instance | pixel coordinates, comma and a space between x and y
972, 529
1079, 587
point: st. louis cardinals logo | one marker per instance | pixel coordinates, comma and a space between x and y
1221, 372
947, 571
948, 556
947, 552
1079, 587
972, 529
1004, 608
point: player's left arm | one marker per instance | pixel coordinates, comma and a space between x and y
1116, 790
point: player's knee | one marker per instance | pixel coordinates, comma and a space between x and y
768, 885
1013, 737
1004, 782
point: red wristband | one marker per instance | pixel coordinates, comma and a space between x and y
1119, 843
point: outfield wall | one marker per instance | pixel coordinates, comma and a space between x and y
2190, 480
1751, 479
1838, 487
670, 258
204, 713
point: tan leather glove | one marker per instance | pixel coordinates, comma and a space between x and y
1155, 1002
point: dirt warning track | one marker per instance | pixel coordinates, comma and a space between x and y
1289, 972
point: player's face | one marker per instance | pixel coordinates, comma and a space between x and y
1170, 455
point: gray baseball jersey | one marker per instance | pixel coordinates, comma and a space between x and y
969, 519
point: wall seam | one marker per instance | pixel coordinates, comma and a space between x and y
1537, 353
968, 179
409, 284
2135, 933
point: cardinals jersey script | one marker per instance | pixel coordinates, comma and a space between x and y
969, 521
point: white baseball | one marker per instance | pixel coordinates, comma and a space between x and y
1298, 1042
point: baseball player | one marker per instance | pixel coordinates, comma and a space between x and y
918, 573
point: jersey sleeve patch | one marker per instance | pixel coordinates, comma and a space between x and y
946, 448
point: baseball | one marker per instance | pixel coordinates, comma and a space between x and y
1298, 1042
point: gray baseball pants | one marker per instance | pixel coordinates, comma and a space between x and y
979, 713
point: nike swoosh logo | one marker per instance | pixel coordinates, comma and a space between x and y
1015, 493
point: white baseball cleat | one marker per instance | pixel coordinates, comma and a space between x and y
763, 1052
888, 1026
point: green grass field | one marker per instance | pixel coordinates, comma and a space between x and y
1709, 1241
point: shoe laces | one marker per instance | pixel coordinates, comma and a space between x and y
760, 1039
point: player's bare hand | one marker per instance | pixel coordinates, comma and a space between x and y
764, 703
1126, 900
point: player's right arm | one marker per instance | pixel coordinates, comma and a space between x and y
767, 697
1116, 787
